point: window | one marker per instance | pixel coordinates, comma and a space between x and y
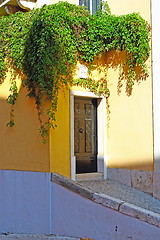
92, 5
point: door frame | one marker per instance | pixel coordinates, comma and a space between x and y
101, 133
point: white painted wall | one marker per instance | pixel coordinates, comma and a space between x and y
155, 5
24, 202
40, 3
156, 80
77, 216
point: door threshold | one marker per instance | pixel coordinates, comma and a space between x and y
89, 176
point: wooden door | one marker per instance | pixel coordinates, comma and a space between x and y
85, 134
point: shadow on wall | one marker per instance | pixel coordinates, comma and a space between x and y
117, 61
138, 164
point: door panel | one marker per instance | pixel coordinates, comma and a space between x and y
85, 134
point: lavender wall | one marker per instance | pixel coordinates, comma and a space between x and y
24, 202
77, 216
31, 203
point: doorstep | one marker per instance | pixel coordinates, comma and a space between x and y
89, 176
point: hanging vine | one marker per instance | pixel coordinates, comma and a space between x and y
44, 45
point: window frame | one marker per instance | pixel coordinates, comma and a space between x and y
93, 5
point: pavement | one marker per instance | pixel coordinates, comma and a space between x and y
124, 193
8, 236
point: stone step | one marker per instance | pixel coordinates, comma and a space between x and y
89, 176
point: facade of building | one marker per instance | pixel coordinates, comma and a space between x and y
122, 145
124, 137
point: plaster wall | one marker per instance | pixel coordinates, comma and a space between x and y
130, 6
40, 3
129, 125
24, 202
31, 203
130, 133
21, 146
78, 216
156, 83
60, 136
130, 128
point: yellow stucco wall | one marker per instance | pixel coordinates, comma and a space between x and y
129, 131
130, 134
21, 147
130, 6
60, 136
129, 123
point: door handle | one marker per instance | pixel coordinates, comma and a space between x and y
81, 130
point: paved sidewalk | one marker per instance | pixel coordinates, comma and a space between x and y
124, 193
34, 237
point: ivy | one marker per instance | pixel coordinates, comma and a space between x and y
44, 45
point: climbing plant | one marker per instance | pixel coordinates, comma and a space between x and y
44, 45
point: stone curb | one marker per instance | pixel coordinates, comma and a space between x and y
128, 209
72, 186
140, 213
108, 201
